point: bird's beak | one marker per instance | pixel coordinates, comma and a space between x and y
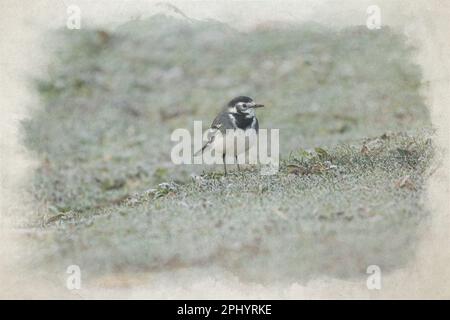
258, 106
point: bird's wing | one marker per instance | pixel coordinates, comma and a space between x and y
216, 127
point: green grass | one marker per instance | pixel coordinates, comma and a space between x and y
110, 200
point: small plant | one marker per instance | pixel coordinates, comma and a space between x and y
310, 162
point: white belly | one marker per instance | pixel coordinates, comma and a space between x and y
234, 142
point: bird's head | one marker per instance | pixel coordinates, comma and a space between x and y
243, 105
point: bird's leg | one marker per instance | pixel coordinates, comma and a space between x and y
224, 164
237, 162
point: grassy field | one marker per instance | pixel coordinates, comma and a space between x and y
355, 142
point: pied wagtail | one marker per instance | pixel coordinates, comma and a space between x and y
238, 117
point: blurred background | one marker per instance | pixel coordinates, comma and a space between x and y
354, 139
112, 98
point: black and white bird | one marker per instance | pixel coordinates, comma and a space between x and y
238, 118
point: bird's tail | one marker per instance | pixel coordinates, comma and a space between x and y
201, 150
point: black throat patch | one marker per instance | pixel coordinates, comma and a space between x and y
242, 122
